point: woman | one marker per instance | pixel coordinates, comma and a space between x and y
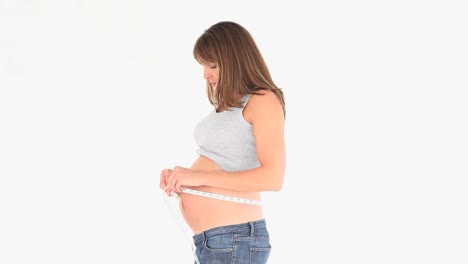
241, 147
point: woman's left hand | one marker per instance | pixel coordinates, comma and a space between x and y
180, 177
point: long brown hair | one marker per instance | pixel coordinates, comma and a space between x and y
242, 69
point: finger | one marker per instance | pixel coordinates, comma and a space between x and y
167, 174
168, 191
168, 185
178, 186
170, 179
162, 180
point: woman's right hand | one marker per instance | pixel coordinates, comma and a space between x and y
163, 181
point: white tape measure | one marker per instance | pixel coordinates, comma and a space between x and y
181, 223
208, 195
219, 196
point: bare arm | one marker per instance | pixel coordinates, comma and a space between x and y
267, 119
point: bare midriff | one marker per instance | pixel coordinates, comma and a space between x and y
203, 213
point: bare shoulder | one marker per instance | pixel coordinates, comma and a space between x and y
267, 98
263, 105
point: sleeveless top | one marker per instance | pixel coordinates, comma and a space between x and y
227, 139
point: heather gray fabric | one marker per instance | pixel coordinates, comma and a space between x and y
227, 139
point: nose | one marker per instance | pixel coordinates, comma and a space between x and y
206, 74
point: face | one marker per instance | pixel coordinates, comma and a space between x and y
211, 73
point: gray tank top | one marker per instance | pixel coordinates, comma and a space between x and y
227, 139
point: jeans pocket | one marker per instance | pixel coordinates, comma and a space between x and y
219, 243
217, 249
259, 255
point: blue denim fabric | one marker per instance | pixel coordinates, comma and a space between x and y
247, 243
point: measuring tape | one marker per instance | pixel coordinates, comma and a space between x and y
179, 220
220, 197
208, 195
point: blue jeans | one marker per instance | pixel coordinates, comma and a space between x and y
247, 243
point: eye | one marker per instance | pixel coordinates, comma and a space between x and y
213, 66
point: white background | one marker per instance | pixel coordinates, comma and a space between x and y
97, 97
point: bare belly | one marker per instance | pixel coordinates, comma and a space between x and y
202, 213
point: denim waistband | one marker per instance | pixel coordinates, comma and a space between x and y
251, 226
